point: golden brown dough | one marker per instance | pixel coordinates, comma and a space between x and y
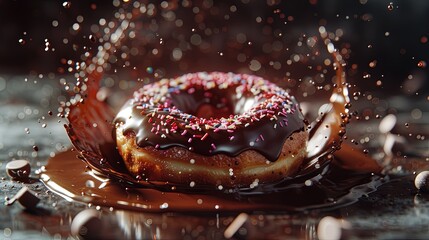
178, 165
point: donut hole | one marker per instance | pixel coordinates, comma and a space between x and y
214, 103
209, 111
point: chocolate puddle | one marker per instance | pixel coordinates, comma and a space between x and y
333, 187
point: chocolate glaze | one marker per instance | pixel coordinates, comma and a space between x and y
185, 111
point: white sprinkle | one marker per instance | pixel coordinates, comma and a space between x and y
235, 225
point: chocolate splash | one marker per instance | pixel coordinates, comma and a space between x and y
322, 181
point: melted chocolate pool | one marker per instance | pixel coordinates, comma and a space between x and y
334, 186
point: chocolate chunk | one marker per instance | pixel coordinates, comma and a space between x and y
87, 224
26, 198
422, 181
18, 169
329, 228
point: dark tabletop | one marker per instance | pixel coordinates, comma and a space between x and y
394, 39
395, 210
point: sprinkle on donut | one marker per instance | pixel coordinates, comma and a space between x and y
212, 113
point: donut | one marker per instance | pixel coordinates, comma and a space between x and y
211, 129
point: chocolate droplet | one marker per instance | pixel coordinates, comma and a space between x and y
86, 224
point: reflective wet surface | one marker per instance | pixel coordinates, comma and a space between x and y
333, 187
395, 210
386, 68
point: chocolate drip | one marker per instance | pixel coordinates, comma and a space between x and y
199, 132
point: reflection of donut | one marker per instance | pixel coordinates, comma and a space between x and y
224, 129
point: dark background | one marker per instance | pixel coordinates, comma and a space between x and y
365, 24
396, 210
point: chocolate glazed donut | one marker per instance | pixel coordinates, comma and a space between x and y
211, 129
